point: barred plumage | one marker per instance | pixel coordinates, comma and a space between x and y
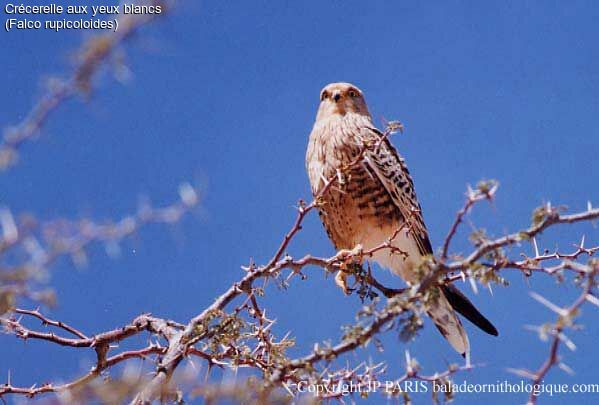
372, 201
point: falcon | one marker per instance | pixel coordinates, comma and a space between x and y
374, 201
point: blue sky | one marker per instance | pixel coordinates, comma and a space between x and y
224, 94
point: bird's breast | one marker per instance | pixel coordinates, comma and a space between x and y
356, 204
356, 208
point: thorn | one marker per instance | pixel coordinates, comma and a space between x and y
536, 247
473, 286
286, 336
324, 371
188, 195
522, 373
469, 191
566, 368
548, 304
10, 231
323, 178
592, 299
191, 362
533, 328
569, 343
340, 177
267, 327
287, 388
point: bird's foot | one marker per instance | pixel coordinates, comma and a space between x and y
348, 258
351, 255
341, 281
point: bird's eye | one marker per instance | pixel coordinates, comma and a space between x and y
324, 96
352, 93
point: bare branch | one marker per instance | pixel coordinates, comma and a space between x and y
44, 243
565, 319
47, 321
485, 191
92, 56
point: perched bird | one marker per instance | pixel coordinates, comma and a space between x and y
372, 200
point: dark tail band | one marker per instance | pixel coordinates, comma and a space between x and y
462, 305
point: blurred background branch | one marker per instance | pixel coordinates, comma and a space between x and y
235, 331
94, 54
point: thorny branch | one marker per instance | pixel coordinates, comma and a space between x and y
101, 343
46, 321
472, 197
243, 336
64, 237
222, 335
43, 243
556, 330
194, 330
543, 218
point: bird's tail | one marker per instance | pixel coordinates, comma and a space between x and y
446, 320
462, 304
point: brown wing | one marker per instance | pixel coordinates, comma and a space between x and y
389, 167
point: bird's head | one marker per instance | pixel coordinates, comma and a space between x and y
341, 99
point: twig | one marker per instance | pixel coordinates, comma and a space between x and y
92, 56
47, 321
472, 197
557, 332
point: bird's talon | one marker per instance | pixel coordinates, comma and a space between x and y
341, 281
354, 255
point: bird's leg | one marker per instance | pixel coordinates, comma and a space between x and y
341, 281
355, 253
347, 258
388, 292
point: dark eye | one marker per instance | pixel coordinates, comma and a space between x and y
324, 95
352, 93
